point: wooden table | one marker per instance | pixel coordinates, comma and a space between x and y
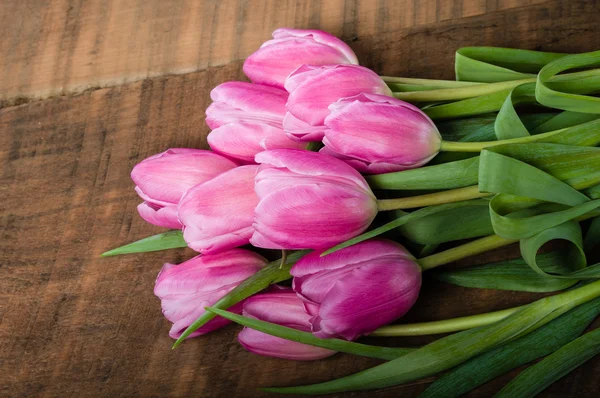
90, 88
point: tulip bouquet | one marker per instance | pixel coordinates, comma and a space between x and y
336, 168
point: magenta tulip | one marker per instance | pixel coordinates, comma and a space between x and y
285, 308
217, 215
162, 179
313, 88
289, 49
247, 119
187, 288
379, 134
309, 201
354, 291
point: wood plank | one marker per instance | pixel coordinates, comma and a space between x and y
72, 324
67, 46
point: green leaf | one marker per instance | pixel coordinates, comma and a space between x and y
538, 377
455, 349
468, 107
513, 354
308, 338
568, 101
163, 241
456, 174
508, 124
495, 64
592, 238
514, 275
273, 272
441, 227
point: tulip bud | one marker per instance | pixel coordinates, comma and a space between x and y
217, 215
289, 49
284, 308
162, 179
187, 288
313, 88
378, 134
308, 201
247, 119
353, 291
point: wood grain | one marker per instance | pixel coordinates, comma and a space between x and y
66, 46
73, 324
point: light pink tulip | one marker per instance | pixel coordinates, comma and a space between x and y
313, 88
187, 288
217, 215
378, 134
354, 291
289, 49
162, 179
247, 119
308, 201
284, 308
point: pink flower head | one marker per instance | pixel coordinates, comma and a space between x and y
313, 88
379, 134
354, 291
289, 49
284, 308
308, 201
187, 288
247, 119
162, 179
217, 215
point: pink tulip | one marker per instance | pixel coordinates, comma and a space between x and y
284, 308
247, 119
217, 215
308, 201
241, 102
379, 134
162, 179
187, 288
356, 290
289, 49
313, 88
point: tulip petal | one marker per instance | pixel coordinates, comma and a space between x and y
369, 297
321, 37
309, 101
298, 130
313, 218
267, 345
311, 164
246, 102
242, 141
218, 214
162, 179
157, 215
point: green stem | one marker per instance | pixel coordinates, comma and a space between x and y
455, 146
465, 250
444, 326
429, 82
430, 199
447, 94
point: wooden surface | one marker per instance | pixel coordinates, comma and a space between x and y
73, 324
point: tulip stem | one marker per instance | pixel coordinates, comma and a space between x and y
444, 326
437, 198
450, 94
429, 82
454, 146
465, 250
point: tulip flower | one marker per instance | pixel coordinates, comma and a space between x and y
187, 288
378, 134
162, 179
308, 201
289, 49
356, 290
217, 214
313, 88
284, 308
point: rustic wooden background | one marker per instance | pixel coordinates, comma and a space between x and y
90, 88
